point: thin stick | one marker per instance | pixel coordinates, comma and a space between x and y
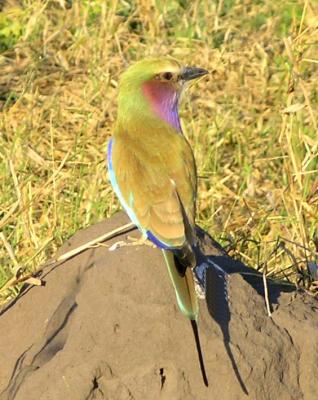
93, 242
266, 293
13, 281
28, 278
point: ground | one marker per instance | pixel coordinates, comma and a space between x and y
107, 326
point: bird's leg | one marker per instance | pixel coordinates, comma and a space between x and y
132, 241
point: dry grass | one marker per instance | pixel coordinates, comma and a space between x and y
253, 124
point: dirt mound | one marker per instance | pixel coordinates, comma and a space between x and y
106, 326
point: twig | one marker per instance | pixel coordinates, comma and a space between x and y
266, 292
94, 242
29, 277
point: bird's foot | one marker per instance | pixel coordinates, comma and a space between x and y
132, 241
142, 241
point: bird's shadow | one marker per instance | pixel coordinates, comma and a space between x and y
213, 270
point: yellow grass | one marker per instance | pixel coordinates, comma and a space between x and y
252, 124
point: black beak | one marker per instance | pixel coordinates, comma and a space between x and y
189, 73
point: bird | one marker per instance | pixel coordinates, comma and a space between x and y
153, 171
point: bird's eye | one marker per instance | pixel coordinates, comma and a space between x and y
167, 76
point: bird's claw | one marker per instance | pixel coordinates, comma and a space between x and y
131, 241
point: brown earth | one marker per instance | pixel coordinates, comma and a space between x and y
106, 326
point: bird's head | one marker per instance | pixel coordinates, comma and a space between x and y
154, 86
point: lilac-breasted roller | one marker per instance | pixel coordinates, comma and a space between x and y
152, 168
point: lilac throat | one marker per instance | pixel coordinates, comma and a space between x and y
164, 102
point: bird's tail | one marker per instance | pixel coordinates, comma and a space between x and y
184, 286
183, 282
